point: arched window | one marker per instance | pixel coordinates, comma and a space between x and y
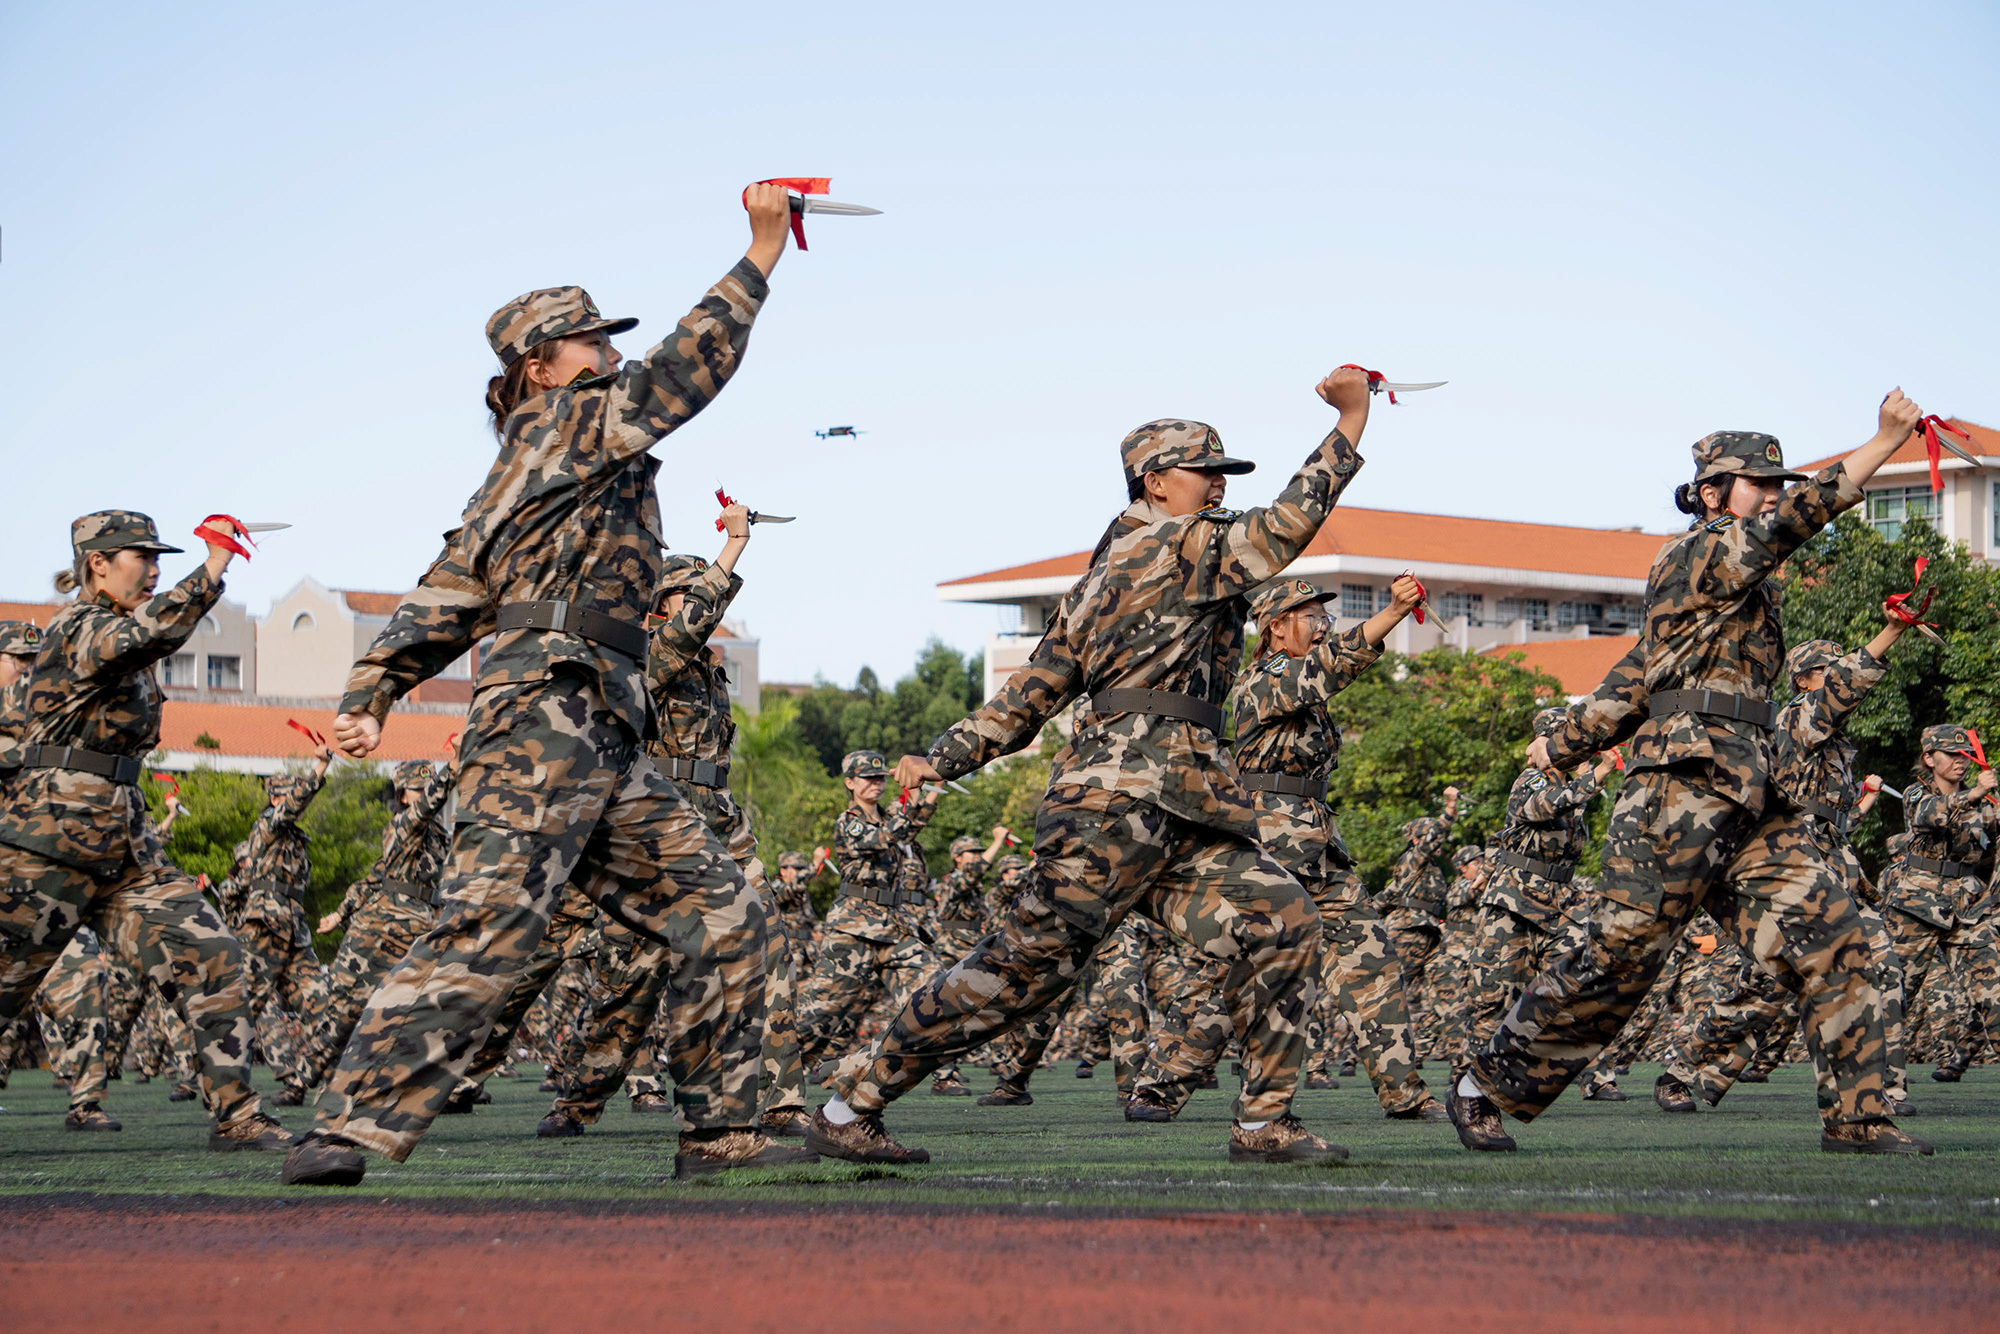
210, 625
303, 621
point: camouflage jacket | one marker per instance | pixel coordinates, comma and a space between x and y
13, 724
1812, 757
1282, 728
1549, 822
1711, 624
1161, 607
1955, 828
94, 687
869, 854
689, 688
417, 841
567, 514
961, 896
276, 854
1417, 879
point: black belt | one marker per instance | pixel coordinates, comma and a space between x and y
296, 893
888, 898
1561, 875
1289, 783
118, 768
415, 893
1164, 703
702, 773
569, 618
1757, 712
1949, 870
1836, 818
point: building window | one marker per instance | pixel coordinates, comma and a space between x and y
1468, 607
1996, 514
210, 625
303, 621
178, 670
225, 673
1580, 613
1889, 509
732, 672
1535, 611
1357, 601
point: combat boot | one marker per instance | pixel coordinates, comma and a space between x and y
461, 1101
1347, 1069
1209, 1081
1753, 1077
1880, 1137
1606, 1093
1083, 1069
1322, 1080
255, 1133
89, 1116
480, 1097
1479, 1124
949, 1084
1285, 1140
183, 1093
1007, 1094
321, 1160
785, 1122
704, 1152
1430, 1109
560, 1123
653, 1102
1147, 1104
549, 1085
291, 1095
862, 1140
138, 1077
1673, 1096
1944, 1074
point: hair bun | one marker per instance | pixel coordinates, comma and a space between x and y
1687, 499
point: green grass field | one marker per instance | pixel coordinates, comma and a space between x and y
1757, 1156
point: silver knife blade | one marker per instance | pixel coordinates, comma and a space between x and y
808, 204
1946, 440
958, 787
1385, 387
755, 517
265, 527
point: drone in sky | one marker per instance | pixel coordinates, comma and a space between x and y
833, 431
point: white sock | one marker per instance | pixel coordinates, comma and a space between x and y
838, 1112
1253, 1125
1468, 1089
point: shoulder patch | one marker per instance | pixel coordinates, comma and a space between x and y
1217, 514
1534, 780
1717, 525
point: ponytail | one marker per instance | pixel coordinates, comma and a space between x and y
75, 578
507, 391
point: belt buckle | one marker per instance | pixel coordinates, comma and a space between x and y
558, 616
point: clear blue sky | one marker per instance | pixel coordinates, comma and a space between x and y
249, 253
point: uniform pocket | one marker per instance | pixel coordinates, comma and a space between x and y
504, 778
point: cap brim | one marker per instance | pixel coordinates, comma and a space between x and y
160, 547
603, 326
1292, 605
1221, 463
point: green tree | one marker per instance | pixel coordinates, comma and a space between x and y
1415, 726
776, 775
904, 719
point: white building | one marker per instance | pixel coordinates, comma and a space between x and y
1967, 509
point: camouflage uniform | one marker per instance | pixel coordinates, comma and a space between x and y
1813, 767
267, 890
633, 1025
554, 787
1414, 898
871, 947
1451, 969
1153, 990
1143, 810
70, 1004
1942, 911
382, 914
75, 845
1696, 820
555, 985
23, 641
795, 912
1284, 738
1523, 927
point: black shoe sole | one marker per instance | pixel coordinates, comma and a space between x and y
82, 1130
951, 1091
1868, 1149
995, 1100
341, 1175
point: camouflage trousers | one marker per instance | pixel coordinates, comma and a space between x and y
1098, 856
108, 1015
1363, 973
1418, 937
554, 790
162, 1043
1451, 985
549, 996
1085, 1032
281, 972
1508, 950
851, 975
379, 933
1154, 987
1951, 980
633, 1021
1674, 845
153, 915
1751, 1017
70, 1006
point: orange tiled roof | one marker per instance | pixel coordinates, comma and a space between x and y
371, 604
1985, 442
37, 613
253, 729
1580, 664
1444, 539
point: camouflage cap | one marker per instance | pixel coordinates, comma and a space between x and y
116, 530
1811, 656
965, 843
679, 572
1947, 737
1548, 720
1168, 443
528, 321
864, 764
1011, 865
412, 773
1745, 453
278, 785
20, 637
1274, 600
1467, 855
794, 861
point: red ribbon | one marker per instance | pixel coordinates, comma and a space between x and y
721, 496
1012, 842
1423, 594
1618, 759
1374, 378
1897, 603
173, 784
451, 744
305, 731
1932, 425
805, 185
226, 541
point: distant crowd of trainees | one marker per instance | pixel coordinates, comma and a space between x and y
581, 865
